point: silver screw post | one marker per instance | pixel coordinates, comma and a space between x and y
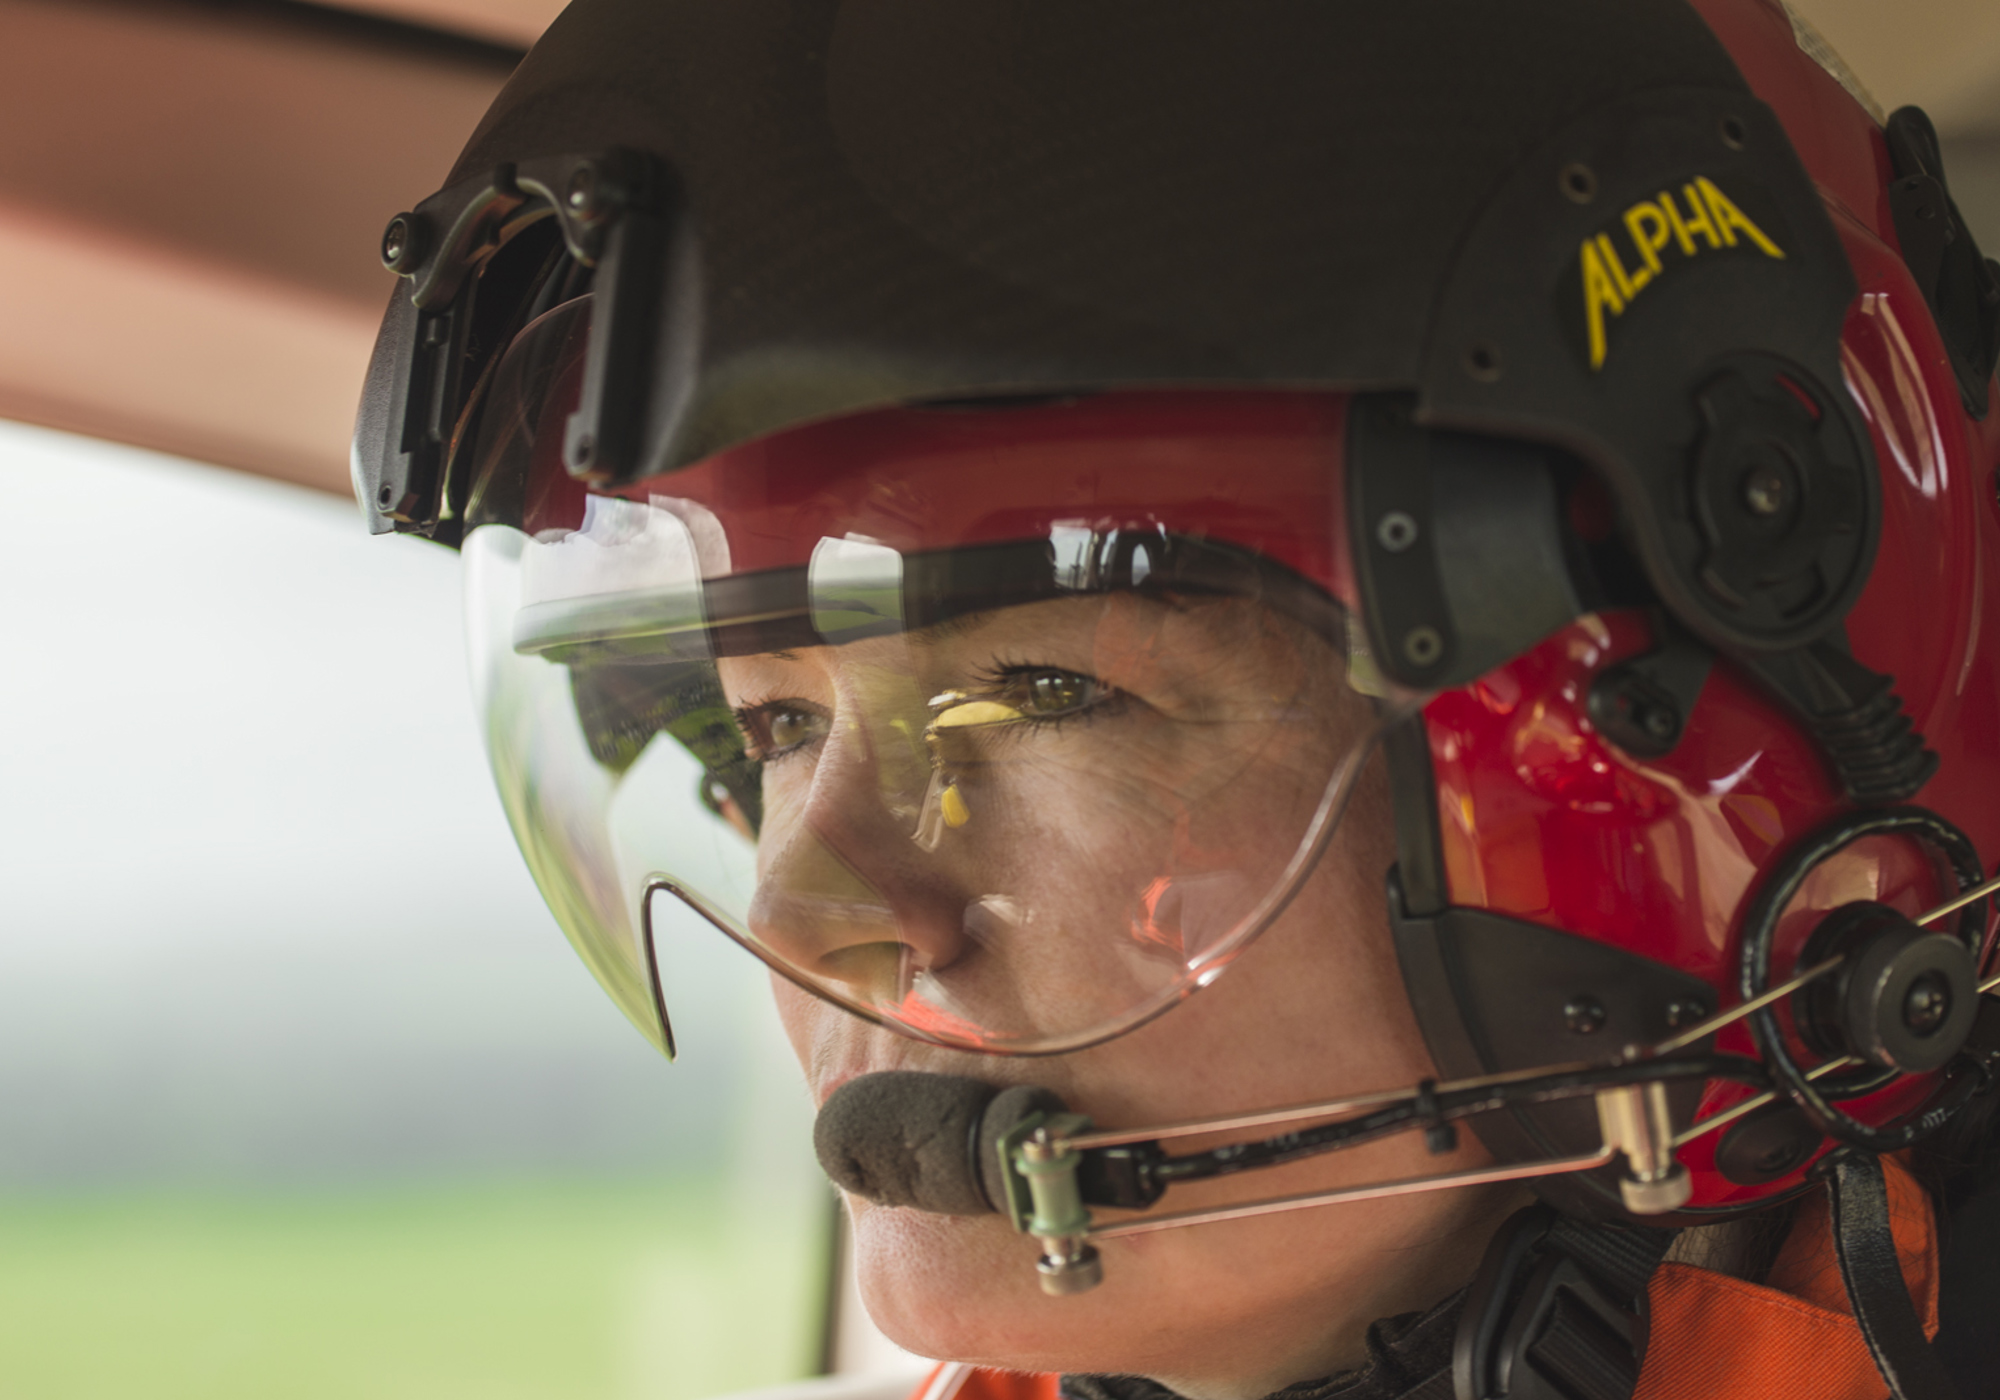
1636, 1120
1061, 1223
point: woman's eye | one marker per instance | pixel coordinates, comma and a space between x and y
780, 727
790, 728
1050, 694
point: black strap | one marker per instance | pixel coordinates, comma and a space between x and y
1438, 1387
1874, 1276
1409, 1358
1558, 1311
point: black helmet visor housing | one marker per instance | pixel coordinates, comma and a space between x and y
1551, 220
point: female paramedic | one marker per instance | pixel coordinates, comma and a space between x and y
1345, 656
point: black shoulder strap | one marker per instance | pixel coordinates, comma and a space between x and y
1868, 1265
1558, 1311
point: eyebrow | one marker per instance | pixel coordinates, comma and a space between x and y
947, 628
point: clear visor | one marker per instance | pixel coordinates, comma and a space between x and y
939, 740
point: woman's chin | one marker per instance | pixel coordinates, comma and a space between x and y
958, 1288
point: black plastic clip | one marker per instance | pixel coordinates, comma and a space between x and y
1961, 285
613, 212
1642, 705
1440, 1136
1557, 1311
1121, 1177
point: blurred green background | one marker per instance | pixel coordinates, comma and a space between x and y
301, 1092
504, 1292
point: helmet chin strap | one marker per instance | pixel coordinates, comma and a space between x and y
1870, 1268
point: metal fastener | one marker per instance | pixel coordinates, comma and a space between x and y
1764, 491
1578, 182
1682, 1014
1584, 1014
1397, 531
401, 243
1422, 646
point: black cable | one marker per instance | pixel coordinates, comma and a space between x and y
1429, 1106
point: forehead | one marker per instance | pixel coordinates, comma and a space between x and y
1155, 647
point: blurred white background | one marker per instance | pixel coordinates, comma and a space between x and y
269, 950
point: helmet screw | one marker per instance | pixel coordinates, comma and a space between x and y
402, 243
1682, 1014
1482, 362
1734, 133
1584, 1015
1397, 531
1578, 182
1422, 646
1927, 1004
1658, 721
582, 190
1764, 491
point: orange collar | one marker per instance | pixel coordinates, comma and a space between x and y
1719, 1338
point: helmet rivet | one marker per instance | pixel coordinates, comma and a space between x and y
401, 243
1482, 362
582, 189
1584, 1014
1764, 490
1397, 531
1578, 182
385, 496
1422, 646
1734, 133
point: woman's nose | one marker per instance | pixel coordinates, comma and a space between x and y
845, 891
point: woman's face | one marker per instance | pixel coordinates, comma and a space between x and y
1023, 822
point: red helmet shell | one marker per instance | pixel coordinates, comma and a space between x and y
1545, 821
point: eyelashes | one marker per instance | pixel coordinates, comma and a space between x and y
1048, 695
1043, 697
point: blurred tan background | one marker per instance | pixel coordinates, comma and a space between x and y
304, 1093
191, 192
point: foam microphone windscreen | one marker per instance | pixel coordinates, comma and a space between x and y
905, 1138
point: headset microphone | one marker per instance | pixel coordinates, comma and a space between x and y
930, 1141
